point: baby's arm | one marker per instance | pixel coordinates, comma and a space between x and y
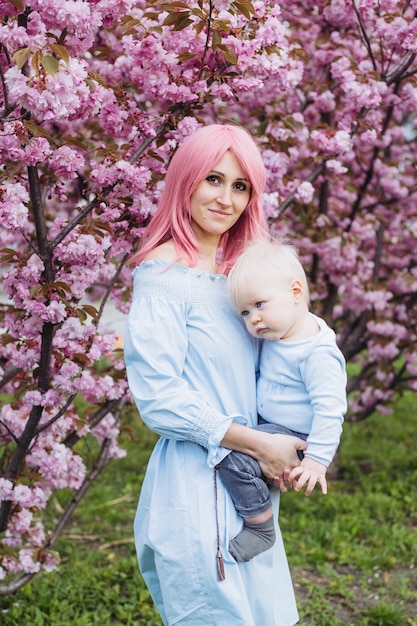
308, 474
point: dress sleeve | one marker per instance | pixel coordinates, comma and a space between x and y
324, 374
156, 346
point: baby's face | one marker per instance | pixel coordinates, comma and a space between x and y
268, 307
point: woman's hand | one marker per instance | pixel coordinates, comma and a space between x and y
276, 453
280, 458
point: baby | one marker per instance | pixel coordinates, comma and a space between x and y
301, 388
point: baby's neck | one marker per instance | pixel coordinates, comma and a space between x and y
306, 328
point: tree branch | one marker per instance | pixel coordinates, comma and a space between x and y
56, 417
99, 464
398, 72
72, 438
97, 467
166, 125
365, 36
9, 373
289, 199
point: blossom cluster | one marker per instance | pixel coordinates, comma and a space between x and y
95, 97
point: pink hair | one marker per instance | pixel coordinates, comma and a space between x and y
191, 163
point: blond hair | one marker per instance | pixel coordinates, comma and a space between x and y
278, 258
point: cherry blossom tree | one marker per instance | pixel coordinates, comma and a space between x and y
95, 97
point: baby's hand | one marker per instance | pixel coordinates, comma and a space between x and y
309, 473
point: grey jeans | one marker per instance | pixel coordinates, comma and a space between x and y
241, 475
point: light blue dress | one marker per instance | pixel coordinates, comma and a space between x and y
191, 370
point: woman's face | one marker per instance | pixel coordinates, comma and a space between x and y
219, 199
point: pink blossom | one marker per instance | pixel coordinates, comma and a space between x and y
222, 5
66, 379
13, 209
37, 150
10, 144
108, 429
325, 104
50, 561
63, 95
305, 192
66, 162
6, 489
336, 166
83, 250
326, 101
7, 9
27, 563
59, 466
387, 329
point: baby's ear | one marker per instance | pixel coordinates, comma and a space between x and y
297, 289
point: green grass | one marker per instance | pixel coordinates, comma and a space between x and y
352, 553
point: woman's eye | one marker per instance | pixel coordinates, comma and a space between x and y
240, 186
213, 179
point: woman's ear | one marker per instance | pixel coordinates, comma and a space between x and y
297, 289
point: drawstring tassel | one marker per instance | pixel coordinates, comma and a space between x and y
220, 566
219, 557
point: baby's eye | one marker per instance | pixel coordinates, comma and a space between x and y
244, 313
259, 305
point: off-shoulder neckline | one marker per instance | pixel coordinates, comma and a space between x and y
179, 267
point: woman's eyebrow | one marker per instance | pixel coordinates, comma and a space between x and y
222, 174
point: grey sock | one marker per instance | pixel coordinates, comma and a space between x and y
252, 540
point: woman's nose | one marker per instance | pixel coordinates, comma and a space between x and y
225, 197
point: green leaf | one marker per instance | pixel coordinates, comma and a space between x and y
82, 316
98, 78
216, 40
61, 287
81, 359
199, 27
156, 156
8, 255
220, 25
72, 141
178, 20
186, 56
90, 310
171, 6
229, 55
181, 24
34, 291
245, 7
129, 22
60, 51
36, 129
21, 56
50, 64
19, 4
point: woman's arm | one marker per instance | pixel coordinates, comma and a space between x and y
160, 330
276, 454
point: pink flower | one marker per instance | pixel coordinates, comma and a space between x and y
13, 209
36, 151
6, 489
66, 162
305, 192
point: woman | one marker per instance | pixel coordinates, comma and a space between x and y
191, 370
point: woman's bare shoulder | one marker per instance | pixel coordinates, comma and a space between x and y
164, 252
